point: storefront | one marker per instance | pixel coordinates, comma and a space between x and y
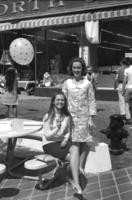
59, 31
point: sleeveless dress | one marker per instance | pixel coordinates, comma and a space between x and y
81, 104
10, 97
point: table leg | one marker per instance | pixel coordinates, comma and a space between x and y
9, 161
10, 147
10, 157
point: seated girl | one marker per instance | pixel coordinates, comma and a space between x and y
57, 128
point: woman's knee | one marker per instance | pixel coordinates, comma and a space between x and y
74, 148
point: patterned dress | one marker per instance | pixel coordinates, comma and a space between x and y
81, 104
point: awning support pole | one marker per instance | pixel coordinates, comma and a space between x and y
35, 61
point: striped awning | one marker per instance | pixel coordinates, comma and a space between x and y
67, 19
50, 21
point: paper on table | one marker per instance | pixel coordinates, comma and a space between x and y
5, 122
32, 123
5, 125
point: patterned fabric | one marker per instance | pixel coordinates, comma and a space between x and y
81, 103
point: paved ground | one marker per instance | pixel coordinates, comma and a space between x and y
113, 185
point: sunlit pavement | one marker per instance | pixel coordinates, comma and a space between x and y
113, 185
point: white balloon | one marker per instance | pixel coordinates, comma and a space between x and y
21, 51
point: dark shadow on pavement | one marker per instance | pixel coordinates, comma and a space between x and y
31, 109
57, 182
60, 178
100, 109
8, 192
83, 181
79, 196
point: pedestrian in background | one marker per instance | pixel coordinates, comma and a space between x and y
92, 77
82, 106
118, 84
127, 86
10, 97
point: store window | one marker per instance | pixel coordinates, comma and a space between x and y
54, 48
63, 44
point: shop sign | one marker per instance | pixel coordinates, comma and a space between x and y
12, 7
17, 6
22, 8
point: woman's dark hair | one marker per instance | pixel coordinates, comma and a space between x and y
51, 112
10, 77
77, 59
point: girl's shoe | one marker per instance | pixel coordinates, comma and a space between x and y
75, 187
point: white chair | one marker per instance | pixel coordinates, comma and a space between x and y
98, 159
2, 168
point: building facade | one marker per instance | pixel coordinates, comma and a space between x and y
99, 31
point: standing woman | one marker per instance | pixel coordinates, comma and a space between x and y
82, 106
10, 97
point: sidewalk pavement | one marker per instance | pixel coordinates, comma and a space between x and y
113, 185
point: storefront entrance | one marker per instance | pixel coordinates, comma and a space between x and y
57, 39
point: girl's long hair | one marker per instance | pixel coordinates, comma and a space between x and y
10, 77
51, 112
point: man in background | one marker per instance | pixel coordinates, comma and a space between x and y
127, 86
92, 77
118, 84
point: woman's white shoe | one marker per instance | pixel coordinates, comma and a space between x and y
75, 187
